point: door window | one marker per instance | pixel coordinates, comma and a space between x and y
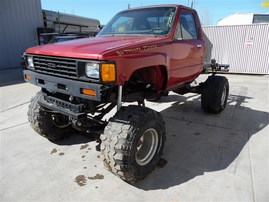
186, 28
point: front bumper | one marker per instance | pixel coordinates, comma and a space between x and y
62, 85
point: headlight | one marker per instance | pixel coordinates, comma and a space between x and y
30, 62
92, 70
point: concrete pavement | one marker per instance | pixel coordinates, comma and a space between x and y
210, 157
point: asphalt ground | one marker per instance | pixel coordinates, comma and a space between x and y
222, 157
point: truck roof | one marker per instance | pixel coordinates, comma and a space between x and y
160, 5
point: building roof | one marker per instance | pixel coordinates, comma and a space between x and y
241, 18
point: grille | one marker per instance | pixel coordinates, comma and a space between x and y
56, 66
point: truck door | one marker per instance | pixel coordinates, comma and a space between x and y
188, 50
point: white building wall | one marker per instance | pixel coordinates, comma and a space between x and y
18, 22
244, 47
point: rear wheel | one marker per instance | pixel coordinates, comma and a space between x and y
133, 142
215, 94
52, 126
155, 98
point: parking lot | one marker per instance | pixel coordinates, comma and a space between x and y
220, 157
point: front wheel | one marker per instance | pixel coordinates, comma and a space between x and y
133, 142
215, 93
52, 126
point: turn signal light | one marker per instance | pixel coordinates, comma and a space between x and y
108, 72
90, 92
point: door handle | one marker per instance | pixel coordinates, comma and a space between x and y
199, 45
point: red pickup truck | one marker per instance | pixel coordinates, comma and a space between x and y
142, 53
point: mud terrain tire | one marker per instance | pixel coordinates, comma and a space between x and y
42, 122
215, 94
133, 142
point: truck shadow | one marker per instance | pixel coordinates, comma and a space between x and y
74, 139
198, 142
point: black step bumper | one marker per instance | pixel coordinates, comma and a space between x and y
66, 108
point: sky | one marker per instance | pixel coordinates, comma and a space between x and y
210, 11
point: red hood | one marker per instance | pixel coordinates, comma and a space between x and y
91, 48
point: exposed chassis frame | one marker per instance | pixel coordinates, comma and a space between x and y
93, 124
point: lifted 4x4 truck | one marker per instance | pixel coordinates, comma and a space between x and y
142, 53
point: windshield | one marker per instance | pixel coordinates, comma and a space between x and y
149, 21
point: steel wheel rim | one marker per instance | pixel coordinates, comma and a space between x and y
147, 147
223, 96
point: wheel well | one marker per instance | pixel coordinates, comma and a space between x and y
154, 75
